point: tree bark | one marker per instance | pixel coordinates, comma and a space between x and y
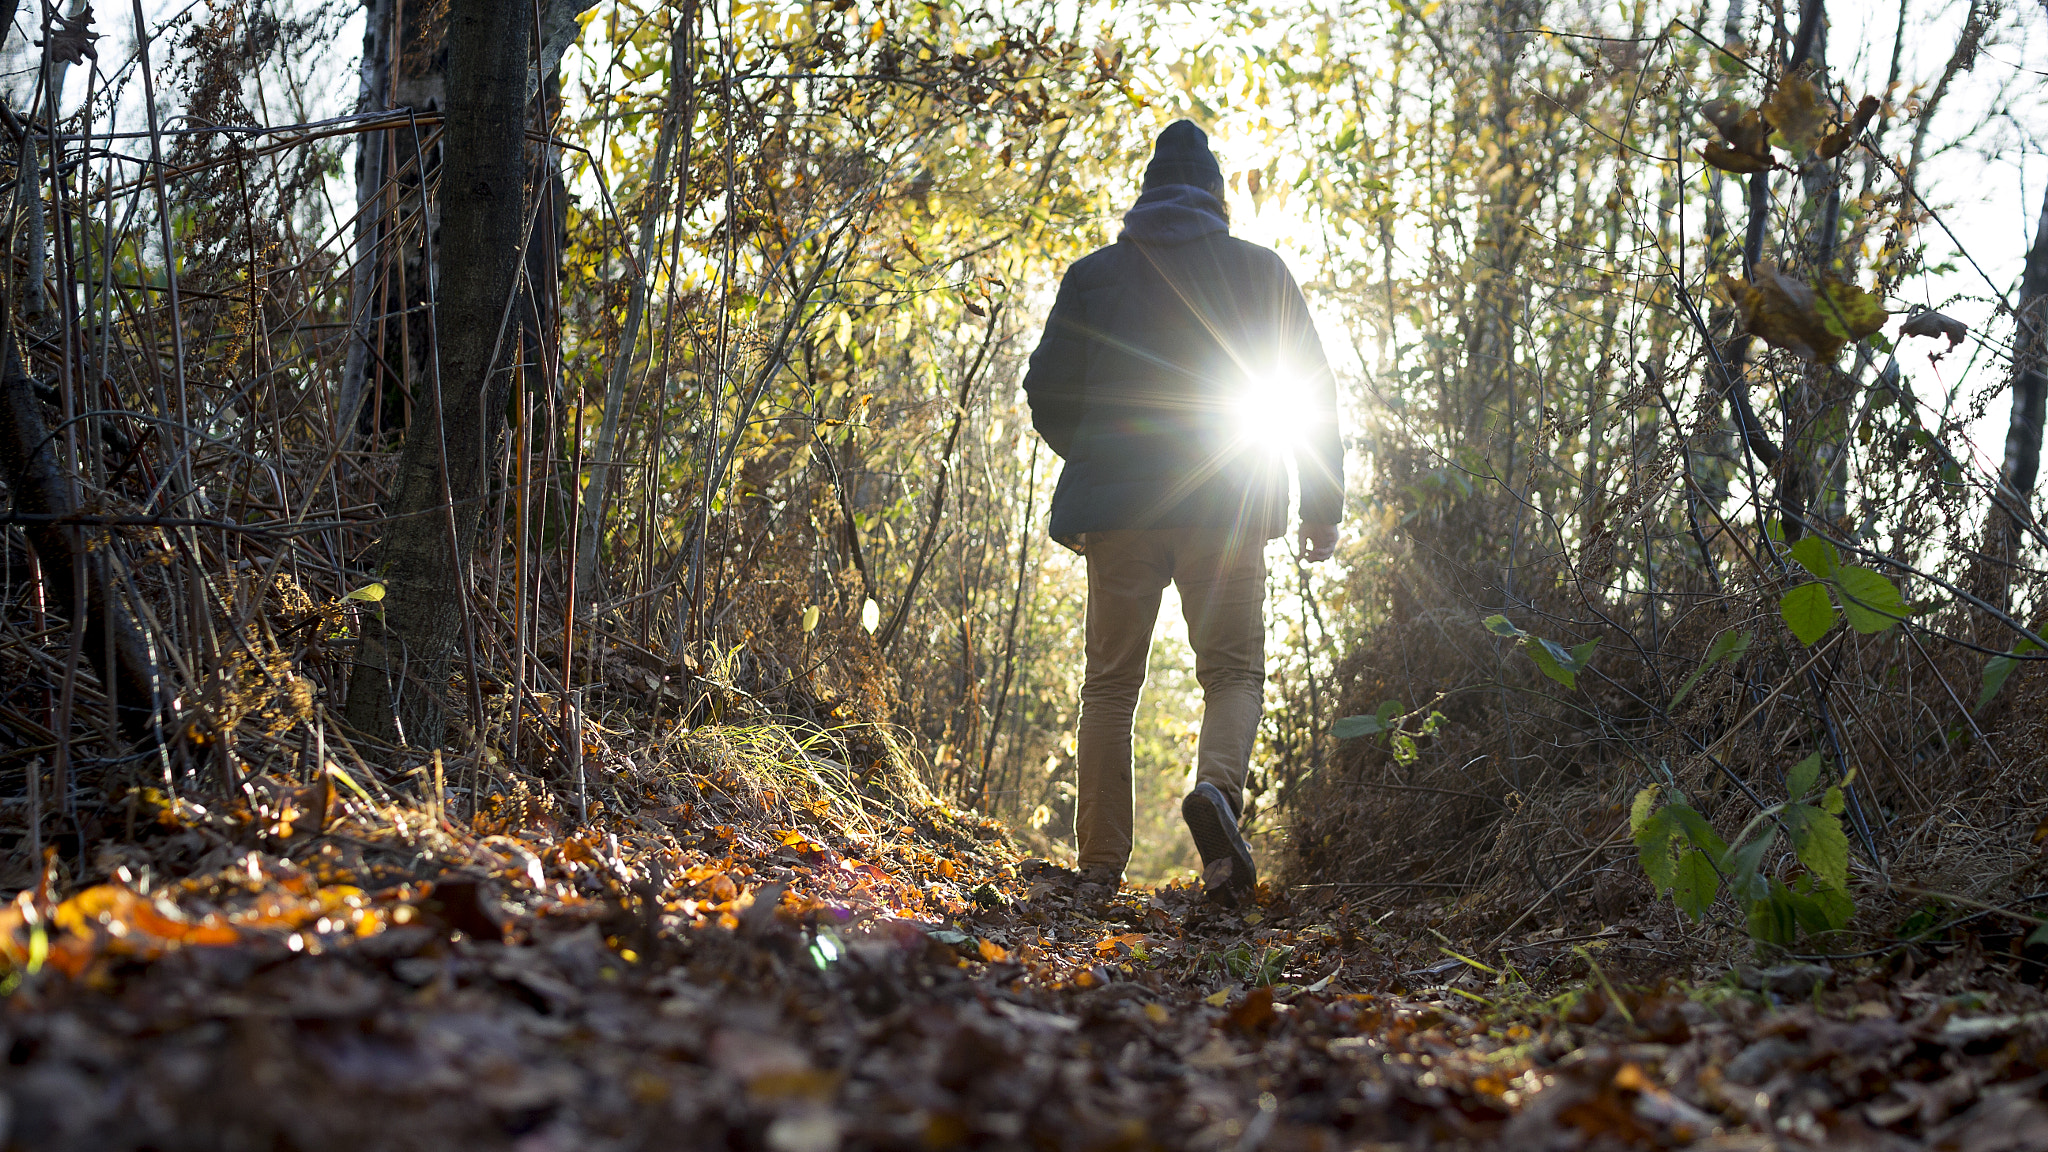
2030, 374
399, 688
404, 68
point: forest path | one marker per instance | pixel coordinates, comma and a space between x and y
801, 988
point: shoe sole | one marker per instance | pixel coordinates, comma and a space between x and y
1206, 820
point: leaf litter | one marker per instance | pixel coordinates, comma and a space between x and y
751, 969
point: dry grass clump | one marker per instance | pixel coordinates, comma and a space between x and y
1514, 813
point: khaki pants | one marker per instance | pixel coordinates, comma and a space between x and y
1222, 582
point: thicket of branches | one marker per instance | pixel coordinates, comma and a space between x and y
1623, 376
300, 481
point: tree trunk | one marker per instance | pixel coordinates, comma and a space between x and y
2007, 524
403, 68
2030, 375
399, 688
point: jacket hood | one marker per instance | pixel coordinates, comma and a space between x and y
1173, 214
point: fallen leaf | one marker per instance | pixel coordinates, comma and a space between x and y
1254, 1012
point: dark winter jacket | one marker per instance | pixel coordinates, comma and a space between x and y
1154, 349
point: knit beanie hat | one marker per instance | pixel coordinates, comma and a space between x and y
1182, 156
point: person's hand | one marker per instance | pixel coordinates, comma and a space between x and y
1318, 542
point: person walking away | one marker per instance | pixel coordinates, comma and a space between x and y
1178, 372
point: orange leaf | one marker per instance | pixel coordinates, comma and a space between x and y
1255, 1011
1107, 946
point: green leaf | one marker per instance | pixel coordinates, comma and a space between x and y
1582, 654
1823, 909
1551, 659
1817, 555
1558, 662
1697, 830
1998, 668
1808, 612
1500, 626
1685, 685
1352, 727
2038, 935
1831, 800
1742, 863
1772, 917
1693, 884
1653, 846
1820, 843
1387, 711
1801, 779
1730, 644
1870, 601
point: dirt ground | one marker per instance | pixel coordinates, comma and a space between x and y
705, 972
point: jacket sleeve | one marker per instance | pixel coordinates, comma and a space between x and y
1056, 383
1319, 462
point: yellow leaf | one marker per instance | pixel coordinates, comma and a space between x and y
368, 594
1218, 998
811, 618
993, 952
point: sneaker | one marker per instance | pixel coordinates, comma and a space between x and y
1228, 875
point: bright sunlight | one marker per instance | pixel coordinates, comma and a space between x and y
1268, 410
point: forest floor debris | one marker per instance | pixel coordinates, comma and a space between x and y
704, 971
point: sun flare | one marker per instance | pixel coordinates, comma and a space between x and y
1269, 408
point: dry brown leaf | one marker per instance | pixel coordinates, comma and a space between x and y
1741, 127
1729, 160
1254, 1012
1797, 111
1932, 323
1787, 313
71, 39
1838, 141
